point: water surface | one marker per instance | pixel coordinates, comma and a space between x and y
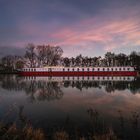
72, 102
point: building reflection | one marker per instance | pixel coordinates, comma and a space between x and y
50, 88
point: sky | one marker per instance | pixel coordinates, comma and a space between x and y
87, 27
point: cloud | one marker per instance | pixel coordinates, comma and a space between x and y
111, 35
90, 27
86, 34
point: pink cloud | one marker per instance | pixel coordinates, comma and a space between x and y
112, 34
108, 33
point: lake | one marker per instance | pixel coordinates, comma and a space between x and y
82, 104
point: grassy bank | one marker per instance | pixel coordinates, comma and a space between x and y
11, 132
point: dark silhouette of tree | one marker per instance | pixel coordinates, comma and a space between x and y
11, 62
20, 64
121, 59
135, 59
66, 62
110, 58
30, 55
78, 60
57, 53
42, 55
49, 55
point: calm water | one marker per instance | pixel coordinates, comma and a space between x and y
72, 103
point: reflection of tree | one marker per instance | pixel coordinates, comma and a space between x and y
11, 82
135, 86
50, 90
110, 86
42, 90
36, 90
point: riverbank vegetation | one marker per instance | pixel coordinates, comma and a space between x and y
11, 132
99, 129
47, 55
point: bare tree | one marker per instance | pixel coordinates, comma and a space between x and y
30, 55
48, 55
110, 57
42, 52
56, 57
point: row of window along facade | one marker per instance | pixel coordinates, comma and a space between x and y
78, 69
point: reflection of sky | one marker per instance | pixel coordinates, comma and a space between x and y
74, 104
96, 26
108, 103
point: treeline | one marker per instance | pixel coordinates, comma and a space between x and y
35, 56
47, 55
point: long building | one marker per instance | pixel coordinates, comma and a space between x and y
79, 71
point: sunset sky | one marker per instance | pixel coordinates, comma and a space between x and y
89, 27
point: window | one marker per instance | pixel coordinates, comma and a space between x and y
77, 69
119, 69
73, 69
93, 69
107, 69
123, 68
103, 69
98, 69
83, 69
68, 69
112, 69
87, 69
128, 69
63, 69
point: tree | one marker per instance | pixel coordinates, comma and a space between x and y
66, 62
134, 59
20, 64
78, 60
9, 62
48, 55
56, 55
42, 54
121, 59
110, 57
30, 55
